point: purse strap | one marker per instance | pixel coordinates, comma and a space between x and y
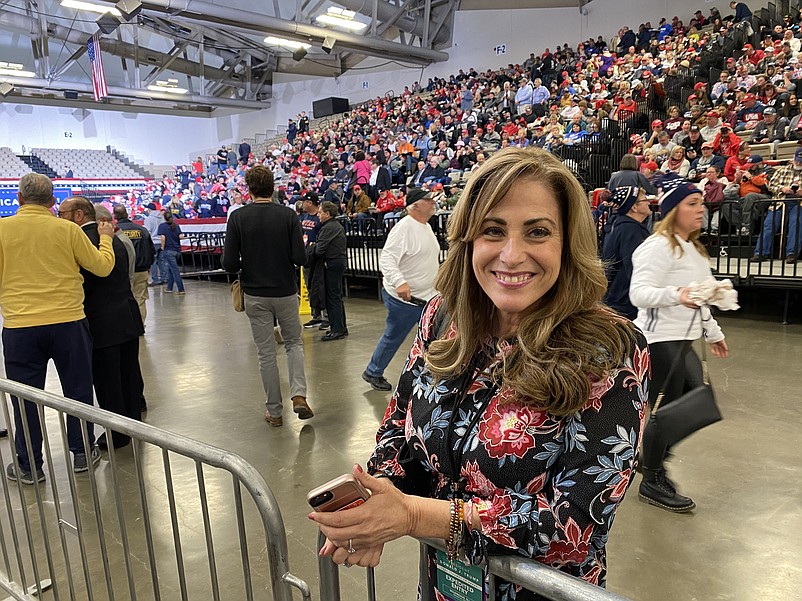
675, 363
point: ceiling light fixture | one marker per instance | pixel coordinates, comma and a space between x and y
170, 86
291, 44
340, 17
90, 6
14, 70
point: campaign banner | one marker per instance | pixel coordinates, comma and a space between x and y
9, 202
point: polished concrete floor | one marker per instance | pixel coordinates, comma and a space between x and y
743, 541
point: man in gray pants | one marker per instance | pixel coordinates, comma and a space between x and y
267, 276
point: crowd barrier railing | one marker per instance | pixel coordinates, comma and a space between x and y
736, 233
536, 577
201, 252
141, 524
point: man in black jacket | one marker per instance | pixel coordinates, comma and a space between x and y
115, 324
267, 276
628, 233
330, 251
145, 255
244, 151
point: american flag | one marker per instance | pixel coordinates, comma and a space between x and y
98, 76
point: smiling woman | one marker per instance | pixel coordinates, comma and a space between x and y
518, 415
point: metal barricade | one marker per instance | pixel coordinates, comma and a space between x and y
531, 575
81, 537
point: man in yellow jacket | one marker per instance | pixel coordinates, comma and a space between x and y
42, 304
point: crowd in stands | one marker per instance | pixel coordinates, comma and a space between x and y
435, 135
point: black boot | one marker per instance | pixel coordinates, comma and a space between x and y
656, 489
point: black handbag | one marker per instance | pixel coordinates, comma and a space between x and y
691, 412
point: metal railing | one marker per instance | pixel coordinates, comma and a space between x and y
531, 575
133, 526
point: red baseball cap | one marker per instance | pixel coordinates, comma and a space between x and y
713, 114
698, 85
746, 47
692, 96
657, 122
749, 97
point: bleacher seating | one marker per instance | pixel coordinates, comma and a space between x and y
10, 165
86, 163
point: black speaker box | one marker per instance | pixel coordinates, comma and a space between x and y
329, 106
70, 95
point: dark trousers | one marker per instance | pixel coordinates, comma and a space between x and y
118, 381
27, 352
335, 270
686, 377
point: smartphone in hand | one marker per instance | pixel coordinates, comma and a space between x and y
343, 492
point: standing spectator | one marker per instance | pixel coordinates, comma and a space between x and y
42, 304
171, 236
114, 323
313, 270
628, 175
785, 185
153, 219
303, 123
244, 151
742, 12
68, 174
330, 251
663, 266
271, 292
231, 157
628, 233
292, 130
222, 159
145, 256
408, 263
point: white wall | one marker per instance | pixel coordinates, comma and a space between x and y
160, 139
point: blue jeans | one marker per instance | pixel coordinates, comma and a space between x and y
169, 266
771, 224
27, 352
401, 317
157, 276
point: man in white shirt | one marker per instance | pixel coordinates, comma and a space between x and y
408, 263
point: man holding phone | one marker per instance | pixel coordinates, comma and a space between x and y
409, 262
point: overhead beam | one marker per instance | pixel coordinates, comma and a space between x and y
224, 16
45, 86
134, 51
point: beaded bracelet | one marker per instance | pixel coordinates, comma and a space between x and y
455, 528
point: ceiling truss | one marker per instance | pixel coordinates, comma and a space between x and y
214, 51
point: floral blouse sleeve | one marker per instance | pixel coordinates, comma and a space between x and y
544, 486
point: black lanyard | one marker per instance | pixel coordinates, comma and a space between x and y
456, 457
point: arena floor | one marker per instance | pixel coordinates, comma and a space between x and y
744, 473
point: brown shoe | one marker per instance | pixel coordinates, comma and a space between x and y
277, 334
300, 406
276, 422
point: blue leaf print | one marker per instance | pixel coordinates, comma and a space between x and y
550, 453
575, 433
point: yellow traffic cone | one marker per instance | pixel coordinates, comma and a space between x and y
303, 307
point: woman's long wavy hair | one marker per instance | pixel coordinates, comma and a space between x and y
567, 339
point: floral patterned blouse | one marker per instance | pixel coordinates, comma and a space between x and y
545, 487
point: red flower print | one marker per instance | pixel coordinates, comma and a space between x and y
536, 485
510, 429
477, 482
490, 515
597, 391
617, 491
573, 549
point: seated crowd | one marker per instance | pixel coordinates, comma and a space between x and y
438, 134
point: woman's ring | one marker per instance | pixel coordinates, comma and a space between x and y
346, 564
351, 547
